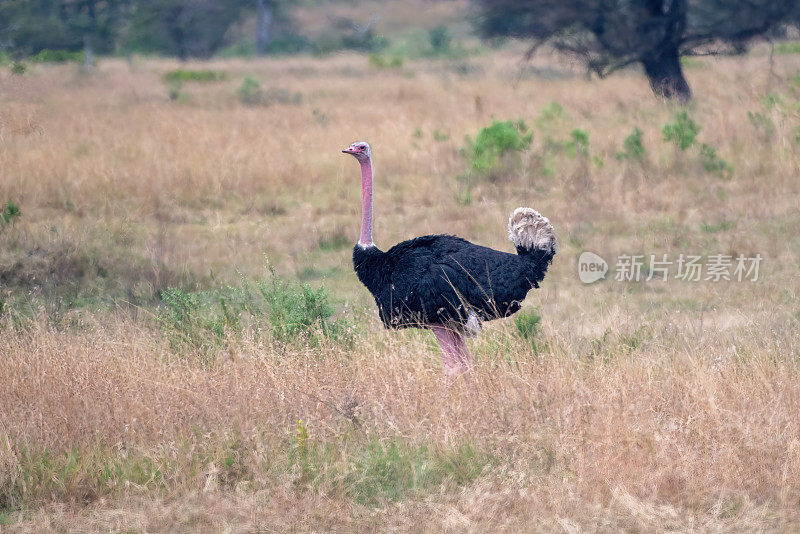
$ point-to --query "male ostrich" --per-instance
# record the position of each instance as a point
(446, 283)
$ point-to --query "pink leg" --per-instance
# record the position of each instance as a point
(455, 353)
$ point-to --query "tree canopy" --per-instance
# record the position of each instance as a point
(183, 28)
(610, 34)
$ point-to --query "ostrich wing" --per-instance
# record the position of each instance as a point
(440, 278)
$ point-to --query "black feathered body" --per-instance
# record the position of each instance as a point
(441, 278)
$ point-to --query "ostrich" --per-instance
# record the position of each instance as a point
(445, 283)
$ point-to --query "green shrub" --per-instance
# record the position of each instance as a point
(578, 143)
(175, 91)
(689, 62)
(552, 114)
(494, 141)
(710, 228)
(713, 163)
(385, 62)
(762, 123)
(632, 147)
(250, 91)
(440, 39)
(440, 136)
(463, 194)
(770, 101)
(57, 56)
(790, 47)
(527, 324)
(40, 475)
(368, 471)
(18, 68)
(175, 79)
(381, 472)
(183, 76)
(288, 43)
(200, 321)
(794, 83)
(190, 322)
(10, 212)
(682, 132)
(297, 312)
(251, 94)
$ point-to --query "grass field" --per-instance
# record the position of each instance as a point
(640, 406)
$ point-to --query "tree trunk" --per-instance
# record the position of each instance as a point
(88, 53)
(264, 16)
(666, 76)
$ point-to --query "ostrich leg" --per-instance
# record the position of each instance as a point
(455, 353)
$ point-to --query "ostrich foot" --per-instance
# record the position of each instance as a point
(456, 357)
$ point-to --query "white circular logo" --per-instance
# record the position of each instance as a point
(591, 267)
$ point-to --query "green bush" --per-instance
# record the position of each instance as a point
(18, 68)
(9, 213)
(250, 91)
(290, 43)
(722, 226)
(440, 136)
(282, 44)
(183, 75)
(550, 116)
(527, 324)
(441, 40)
(385, 62)
(370, 471)
(42, 475)
(789, 47)
(682, 132)
(200, 321)
(494, 141)
(57, 56)
(389, 472)
(713, 163)
(191, 323)
(632, 146)
(251, 94)
(296, 312)
(578, 143)
(175, 91)
(762, 123)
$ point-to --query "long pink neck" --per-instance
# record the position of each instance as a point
(366, 204)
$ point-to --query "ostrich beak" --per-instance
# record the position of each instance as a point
(348, 150)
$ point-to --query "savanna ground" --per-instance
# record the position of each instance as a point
(642, 406)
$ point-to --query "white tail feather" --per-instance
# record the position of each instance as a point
(529, 229)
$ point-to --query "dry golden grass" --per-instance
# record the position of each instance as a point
(643, 407)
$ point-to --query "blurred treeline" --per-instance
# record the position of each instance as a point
(183, 28)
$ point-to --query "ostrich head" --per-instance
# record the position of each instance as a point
(360, 150)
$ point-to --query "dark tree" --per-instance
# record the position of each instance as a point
(185, 28)
(610, 34)
(96, 22)
(30, 26)
(265, 14)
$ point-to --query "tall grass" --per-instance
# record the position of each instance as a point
(620, 406)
